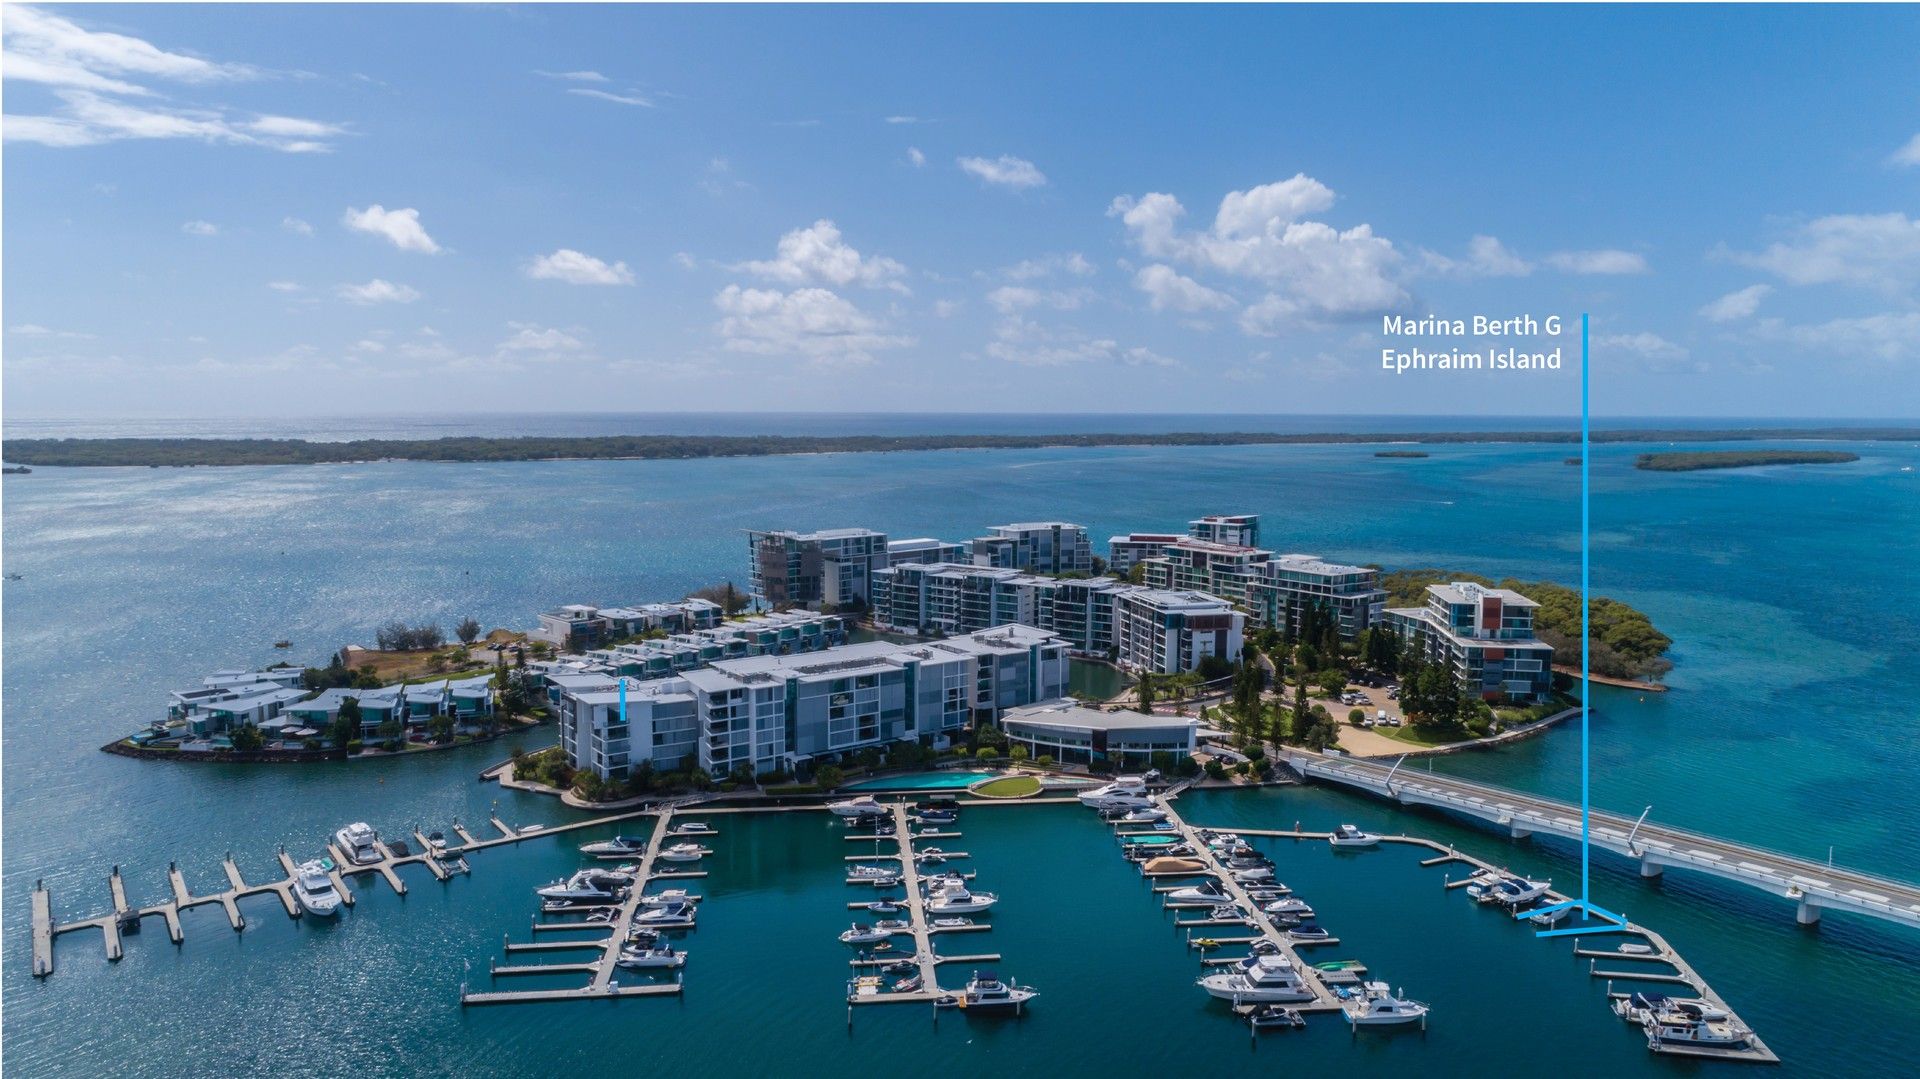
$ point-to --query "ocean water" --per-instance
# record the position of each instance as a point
(1789, 591)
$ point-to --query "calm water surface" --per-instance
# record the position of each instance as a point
(1790, 592)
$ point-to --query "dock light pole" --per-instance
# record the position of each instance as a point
(1597, 919)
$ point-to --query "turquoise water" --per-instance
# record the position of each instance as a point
(1790, 592)
(924, 781)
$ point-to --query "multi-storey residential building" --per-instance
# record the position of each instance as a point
(1036, 547)
(1072, 733)
(609, 725)
(949, 598)
(1080, 611)
(581, 625)
(833, 566)
(1167, 631)
(779, 633)
(1232, 529)
(1197, 565)
(1123, 552)
(1484, 636)
(925, 551)
(1290, 584)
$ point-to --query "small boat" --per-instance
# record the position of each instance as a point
(1293, 905)
(1207, 891)
(864, 934)
(891, 880)
(657, 956)
(1379, 1006)
(583, 886)
(1258, 979)
(1307, 931)
(1640, 1007)
(1268, 892)
(960, 901)
(314, 890)
(357, 843)
(684, 852)
(932, 856)
(1349, 836)
(985, 992)
(934, 816)
(1635, 949)
(692, 827)
(1173, 866)
(1550, 915)
(620, 845)
(950, 923)
(1144, 816)
(1227, 912)
(602, 914)
(907, 985)
(1512, 891)
(864, 806)
(283, 644)
(671, 915)
(573, 906)
(884, 906)
(867, 871)
(1274, 1017)
(667, 898)
(1253, 874)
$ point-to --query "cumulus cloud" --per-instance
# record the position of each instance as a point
(200, 228)
(1893, 336)
(284, 286)
(816, 255)
(1908, 154)
(1073, 262)
(915, 157)
(813, 323)
(529, 337)
(401, 228)
(1486, 257)
(294, 224)
(1009, 299)
(1650, 345)
(1736, 305)
(1604, 261)
(377, 291)
(1879, 251)
(1004, 171)
(92, 73)
(1168, 289)
(578, 268)
(1306, 269)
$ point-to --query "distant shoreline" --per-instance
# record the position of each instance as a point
(1698, 461)
(190, 452)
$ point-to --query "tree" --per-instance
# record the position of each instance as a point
(730, 600)
(247, 738)
(1332, 682)
(440, 727)
(700, 779)
(1357, 717)
(742, 775)
(390, 731)
(1145, 692)
(1301, 717)
(346, 723)
(468, 630)
(1018, 753)
(828, 777)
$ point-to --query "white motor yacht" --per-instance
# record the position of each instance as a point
(1145, 816)
(657, 956)
(620, 845)
(864, 934)
(684, 852)
(1207, 891)
(960, 901)
(1108, 798)
(869, 870)
(314, 890)
(1674, 1027)
(1514, 891)
(667, 898)
(984, 992)
(1379, 1006)
(692, 827)
(1348, 835)
(1292, 904)
(1258, 979)
(356, 843)
(1640, 1007)
(672, 914)
(864, 806)
(582, 886)
(1253, 874)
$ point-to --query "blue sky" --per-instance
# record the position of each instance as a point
(280, 210)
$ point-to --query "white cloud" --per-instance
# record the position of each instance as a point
(628, 98)
(1072, 262)
(32, 329)
(1486, 257)
(399, 227)
(1908, 154)
(1040, 354)
(1168, 289)
(915, 157)
(817, 254)
(1736, 305)
(1604, 261)
(285, 286)
(575, 76)
(1146, 357)
(1005, 171)
(87, 69)
(1649, 345)
(530, 337)
(578, 268)
(294, 224)
(377, 291)
(905, 120)
(1875, 250)
(814, 323)
(1009, 299)
(1310, 270)
(1894, 336)
(945, 308)
(200, 228)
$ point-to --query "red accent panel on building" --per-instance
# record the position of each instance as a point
(1490, 612)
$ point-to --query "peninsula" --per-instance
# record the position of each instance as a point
(156, 452)
(1700, 461)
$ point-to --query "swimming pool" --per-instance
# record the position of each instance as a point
(923, 781)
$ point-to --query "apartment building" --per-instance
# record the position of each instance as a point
(1232, 529)
(1168, 631)
(1198, 565)
(799, 569)
(1291, 584)
(580, 626)
(1123, 552)
(1035, 547)
(609, 725)
(924, 551)
(1484, 636)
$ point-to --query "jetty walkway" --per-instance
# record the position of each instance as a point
(1814, 886)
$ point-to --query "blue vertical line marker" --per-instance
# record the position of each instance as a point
(1595, 919)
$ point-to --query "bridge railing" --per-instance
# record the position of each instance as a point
(1800, 862)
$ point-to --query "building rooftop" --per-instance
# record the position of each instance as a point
(1069, 713)
(1469, 592)
(1167, 599)
(1031, 526)
(1313, 563)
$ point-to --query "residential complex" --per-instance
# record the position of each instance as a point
(1484, 636)
(1035, 547)
(1291, 584)
(1221, 569)
(577, 625)
(925, 551)
(1232, 529)
(832, 566)
(1072, 733)
(1162, 630)
(778, 712)
(1123, 552)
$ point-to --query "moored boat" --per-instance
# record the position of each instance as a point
(313, 889)
(358, 843)
(984, 992)
(1378, 1005)
(1349, 836)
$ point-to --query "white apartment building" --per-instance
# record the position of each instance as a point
(1035, 547)
(1290, 584)
(1167, 631)
(799, 569)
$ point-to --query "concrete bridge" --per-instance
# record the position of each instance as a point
(1813, 886)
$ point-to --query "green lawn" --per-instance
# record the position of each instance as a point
(1417, 736)
(1009, 787)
